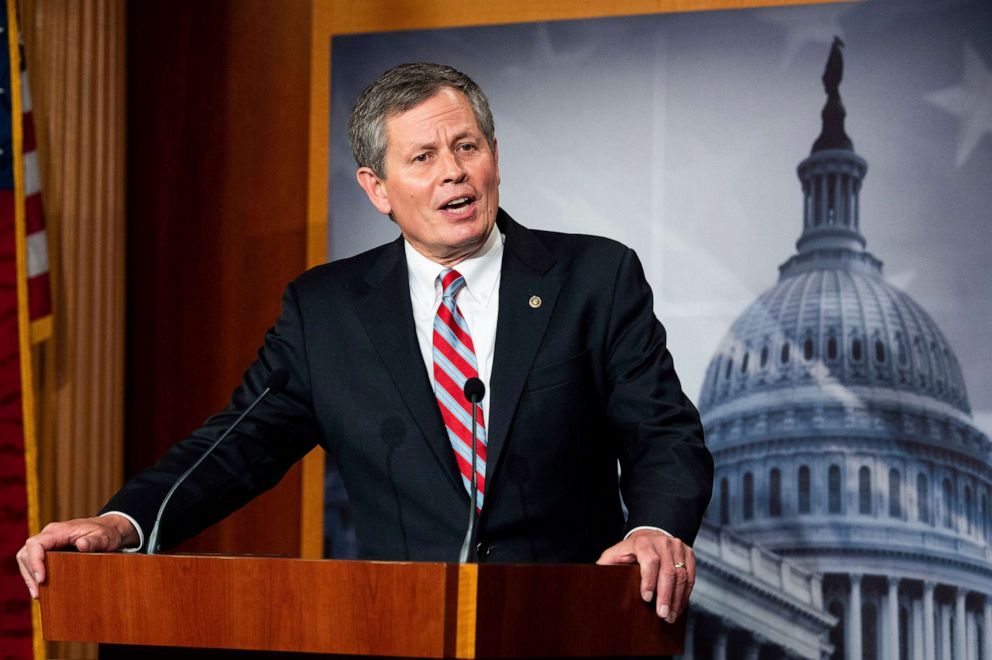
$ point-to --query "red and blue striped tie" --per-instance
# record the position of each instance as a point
(454, 363)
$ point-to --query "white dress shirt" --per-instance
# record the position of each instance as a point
(478, 301)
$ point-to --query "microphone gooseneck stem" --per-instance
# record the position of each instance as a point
(153, 537)
(466, 552)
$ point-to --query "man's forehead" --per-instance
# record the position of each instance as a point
(446, 103)
(447, 110)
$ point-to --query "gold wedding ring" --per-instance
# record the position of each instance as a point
(679, 564)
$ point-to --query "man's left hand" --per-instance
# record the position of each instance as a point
(668, 566)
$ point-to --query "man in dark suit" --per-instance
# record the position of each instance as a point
(583, 408)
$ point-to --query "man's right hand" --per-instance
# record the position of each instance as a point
(104, 534)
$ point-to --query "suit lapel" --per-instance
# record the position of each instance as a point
(520, 328)
(386, 313)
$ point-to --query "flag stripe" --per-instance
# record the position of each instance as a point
(34, 216)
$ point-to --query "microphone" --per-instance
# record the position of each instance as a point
(474, 392)
(274, 384)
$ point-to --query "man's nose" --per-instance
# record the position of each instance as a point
(452, 169)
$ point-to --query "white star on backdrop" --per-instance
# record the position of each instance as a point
(801, 28)
(970, 102)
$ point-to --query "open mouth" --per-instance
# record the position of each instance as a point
(459, 203)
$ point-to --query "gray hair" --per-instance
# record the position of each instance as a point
(398, 90)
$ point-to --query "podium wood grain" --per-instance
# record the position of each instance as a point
(350, 607)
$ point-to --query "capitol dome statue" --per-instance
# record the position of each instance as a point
(840, 425)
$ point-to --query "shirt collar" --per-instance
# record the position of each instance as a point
(481, 272)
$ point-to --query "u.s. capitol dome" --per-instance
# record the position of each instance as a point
(840, 425)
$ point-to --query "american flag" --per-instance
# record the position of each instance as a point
(25, 318)
(39, 285)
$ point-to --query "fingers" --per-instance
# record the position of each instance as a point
(30, 576)
(617, 554)
(668, 569)
(671, 577)
(690, 573)
(679, 583)
(650, 564)
(31, 557)
(86, 534)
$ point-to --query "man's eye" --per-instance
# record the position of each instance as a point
(420, 158)
(468, 146)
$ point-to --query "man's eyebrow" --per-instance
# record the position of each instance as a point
(421, 146)
(467, 133)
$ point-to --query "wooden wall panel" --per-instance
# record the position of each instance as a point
(75, 58)
(75, 55)
(217, 145)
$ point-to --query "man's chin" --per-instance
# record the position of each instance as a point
(459, 248)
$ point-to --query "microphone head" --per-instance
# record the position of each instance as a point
(474, 390)
(277, 380)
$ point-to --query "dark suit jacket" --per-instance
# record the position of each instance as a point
(578, 383)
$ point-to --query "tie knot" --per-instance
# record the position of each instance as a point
(451, 282)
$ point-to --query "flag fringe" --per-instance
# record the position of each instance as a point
(41, 329)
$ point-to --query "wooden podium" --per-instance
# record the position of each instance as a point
(420, 610)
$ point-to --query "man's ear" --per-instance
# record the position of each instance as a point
(375, 187)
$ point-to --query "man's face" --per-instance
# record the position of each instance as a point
(441, 182)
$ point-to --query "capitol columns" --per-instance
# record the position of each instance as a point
(929, 634)
(720, 648)
(986, 640)
(854, 643)
(753, 649)
(892, 619)
(690, 636)
(916, 628)
(960, 621)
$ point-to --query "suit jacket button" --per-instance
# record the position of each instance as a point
(483, 550)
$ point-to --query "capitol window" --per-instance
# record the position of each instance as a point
(856, 349)
(775, 493)
(832, 346)
(804, 488)
(922, 498)
(808, 349)
(784, 358)
(948, 518)
(748, 496)
(895, 494)
(984, 513)
(864, 490)
(764, 356)
(879, 351)
(833, 489)
(969, 508)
